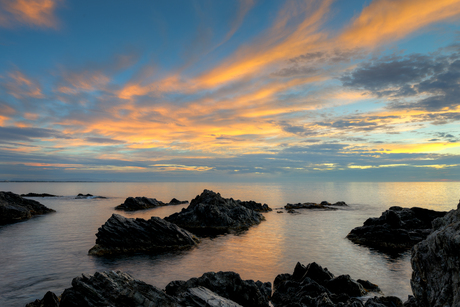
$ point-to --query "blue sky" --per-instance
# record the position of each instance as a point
(241, 90)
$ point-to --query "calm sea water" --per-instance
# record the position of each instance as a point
(47, 252)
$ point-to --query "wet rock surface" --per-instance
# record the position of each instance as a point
(229, 285)
(142, 203)
(210, 214)
(324, 205)
(313, 285)
(397, 229)
(14, 208)
(436, 264)
(121, 235)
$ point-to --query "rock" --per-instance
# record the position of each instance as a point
(87, 196)
(254, 206)
(116, 289)
(396, 230)
(384, 301)
(14, 208)
(49, 300)
(292, 211)
(279, 211)
(38, 195)
(120, 235)
(308, 206)
(203, 297)
(368, 286)
(228, 285)
(210, 214)
(411, 302)
(141, 203)
(436, 264)
(344, 284)
(175, 201)
(312, 285)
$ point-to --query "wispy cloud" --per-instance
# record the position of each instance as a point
(35, 13)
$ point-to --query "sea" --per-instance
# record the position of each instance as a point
(46, 252)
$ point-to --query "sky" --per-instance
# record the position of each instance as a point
(230, 90)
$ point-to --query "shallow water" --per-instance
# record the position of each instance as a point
(47, 252)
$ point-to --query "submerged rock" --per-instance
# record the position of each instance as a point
(436, 264)
(229, 285)
(324, 205)
(141, 203)
(211, 214)
(120, 235)
(312, 285)
(397, 229)
(14, 208)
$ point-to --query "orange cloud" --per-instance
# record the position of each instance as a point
(390, 20)
(31, 12)
(86, 81)
(20, 86)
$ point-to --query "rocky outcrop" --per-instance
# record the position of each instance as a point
(88, 196)
(14, 208)
(324, 205)
(39, 195)
(49, 300)
(211, 214)
(115, 289)
(118, 289)
(121, 235)
(436, 264)
(141, 203)
(397, 229)
(312, 285)
(229, 285)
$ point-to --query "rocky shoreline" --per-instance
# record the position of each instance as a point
(142, 203)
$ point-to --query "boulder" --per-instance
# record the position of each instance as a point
(396, 230)
(254, 206)
(141, 203)
(436, 264)
(121, 235)
(228, 285)
(384, 301)
(116, 289)
(14, 208)
(313, 285)
(210, 214)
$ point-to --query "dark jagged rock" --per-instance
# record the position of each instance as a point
(142, 203)
(203, 297)
(175, 201)
(254, 206)
(39, 195)
(229, 285)
(120, 235)
(14, 208)
(87, 196)
(368, 286)
(436, 264)
(411, 302)
(324, 205)
(384, 301)
(49, 300)
(312, 285)
(211, 214)
(116, 289)
(397, 229)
